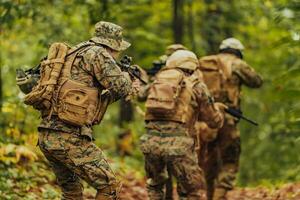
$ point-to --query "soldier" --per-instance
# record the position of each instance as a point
(158, 65)
(177, 98)
(67, 145)
(169, 51)
(224, 74)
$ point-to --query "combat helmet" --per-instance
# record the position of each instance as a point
(231, 43)
(183, 59)
(110, 35)
(174, 47)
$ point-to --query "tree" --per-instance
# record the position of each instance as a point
(217, 23)
(178, 20)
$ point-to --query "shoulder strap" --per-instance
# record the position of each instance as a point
(71, 56)
(79, 47)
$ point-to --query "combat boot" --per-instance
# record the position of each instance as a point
(220, 194)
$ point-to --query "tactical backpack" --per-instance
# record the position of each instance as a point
(57, 94)
(41, 95)
(170, 96)
(215, 74)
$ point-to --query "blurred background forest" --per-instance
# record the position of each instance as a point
(269, 29)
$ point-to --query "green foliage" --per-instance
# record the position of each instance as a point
(269, 30)
(21, 181)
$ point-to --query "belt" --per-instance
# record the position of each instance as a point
(163, 134)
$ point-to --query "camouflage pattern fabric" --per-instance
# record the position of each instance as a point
(74, 157)
(221, 161)
(110, 35)
(221, 157)
(172, 143)
(69, 149)
(96, 68)
(242, 74)
(178, 153)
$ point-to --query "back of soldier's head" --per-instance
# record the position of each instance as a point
(232, 46)
(183, 59)
(174, 47)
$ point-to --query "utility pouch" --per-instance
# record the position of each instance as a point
(77, 103)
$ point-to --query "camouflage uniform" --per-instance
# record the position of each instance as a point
(169, 143)
(70, 149)
(220, 157)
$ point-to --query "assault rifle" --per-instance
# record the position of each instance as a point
(238, 114)
(132, 70)
(157, 65)
(27, 79)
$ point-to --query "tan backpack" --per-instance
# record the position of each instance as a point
(170, 97)
(215, 75)
(41, 95)
(57, 94)
(164, 93)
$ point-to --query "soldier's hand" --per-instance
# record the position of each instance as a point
(220, 106)
(206, 134)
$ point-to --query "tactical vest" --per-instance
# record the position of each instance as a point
(171, 97)
(219, 78)
(57, 94)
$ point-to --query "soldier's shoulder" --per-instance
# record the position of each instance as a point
(239, 63)
(209, 62)
(96, 51)
(208, 57)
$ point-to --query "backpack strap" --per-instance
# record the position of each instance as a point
(71, 57)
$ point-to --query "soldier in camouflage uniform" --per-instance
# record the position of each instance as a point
(143, 92)
(169, 140)
(169, 51)
(70, 149)
(221, 156)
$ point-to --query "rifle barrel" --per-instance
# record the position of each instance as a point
(239, 115)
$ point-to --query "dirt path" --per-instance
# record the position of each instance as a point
(34, 181)
(135, 190)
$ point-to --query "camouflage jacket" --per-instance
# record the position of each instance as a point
(241, 74)
(96, 68)
(172, 138)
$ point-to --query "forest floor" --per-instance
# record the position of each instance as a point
(135, 190)
(32, 179)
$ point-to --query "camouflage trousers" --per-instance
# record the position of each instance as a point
(220, 162)
(73, 157)
(183, 166)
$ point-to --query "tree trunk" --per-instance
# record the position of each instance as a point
(105, 9)
(1, 92)
(178, 20)
(126, 112)
(213, 28)
(190, 24)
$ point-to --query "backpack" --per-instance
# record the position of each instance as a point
(164, 93)
(170, 97)
(215, 75)
(57, 94)
(41, 95)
